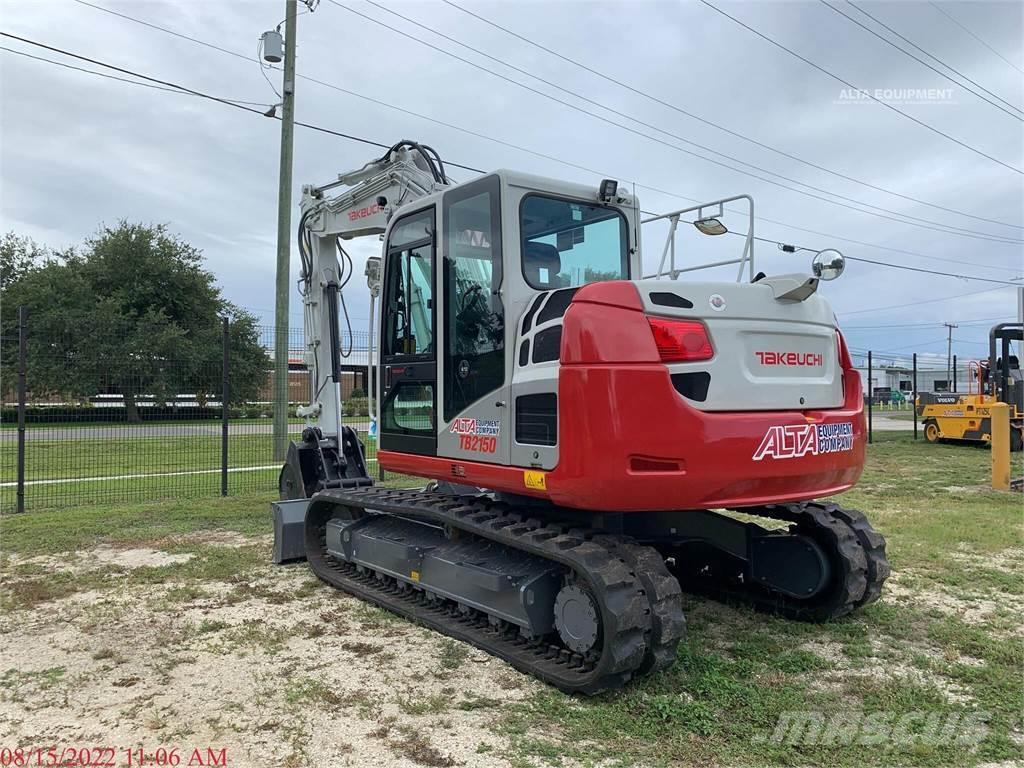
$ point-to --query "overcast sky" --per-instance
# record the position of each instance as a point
(77, 150)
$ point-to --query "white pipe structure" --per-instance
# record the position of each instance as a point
(669, 251)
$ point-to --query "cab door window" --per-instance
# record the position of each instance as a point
(474, 318)
(409, 395)
(409, 293)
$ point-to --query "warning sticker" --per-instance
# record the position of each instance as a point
(535, 480)
(796, 440)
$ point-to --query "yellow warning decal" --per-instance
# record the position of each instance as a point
(535, 480)
(414, 575)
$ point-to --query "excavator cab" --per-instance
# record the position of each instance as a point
(458, 265)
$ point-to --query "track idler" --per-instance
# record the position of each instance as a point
(828, 563)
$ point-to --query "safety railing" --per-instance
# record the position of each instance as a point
(709, 224)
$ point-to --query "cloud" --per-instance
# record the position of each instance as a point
(79, 150)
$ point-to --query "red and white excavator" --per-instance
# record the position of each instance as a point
(586, 430)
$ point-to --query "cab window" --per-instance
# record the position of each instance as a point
(568, 243)
(474, 318)
(409, 292)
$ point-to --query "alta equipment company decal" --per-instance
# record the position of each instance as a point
(796, 440)
(477, 434)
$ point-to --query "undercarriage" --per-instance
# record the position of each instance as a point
(585, 604)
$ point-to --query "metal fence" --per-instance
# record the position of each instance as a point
(88, 423)
(893, 381)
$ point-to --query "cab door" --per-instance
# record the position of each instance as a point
(408, 357)
(475, 411)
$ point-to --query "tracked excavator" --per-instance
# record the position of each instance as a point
(587, 434)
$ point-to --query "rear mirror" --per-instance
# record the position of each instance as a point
(828, 264)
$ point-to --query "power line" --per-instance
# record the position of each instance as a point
(973, 342)
(167, 84)
(203, 43)
(918, 303)
(848, 84)
(705, 121)
(885, 263)
(567, 163)
(933, 57)
(916, 344)
(969, 32)
(915, 58)
(385, 146)
(934, 324)
(115, 77)
(934, 272)
(879, 247)
(907, 218)
(200, 94)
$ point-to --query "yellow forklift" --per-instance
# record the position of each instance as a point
(967, 417)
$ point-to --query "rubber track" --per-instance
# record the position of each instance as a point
(665, 596)
(873, 544)
(625, 611)
(859, 553)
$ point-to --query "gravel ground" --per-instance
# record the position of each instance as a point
(272, 666)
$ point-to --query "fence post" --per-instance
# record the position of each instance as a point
(871, 398)
(914, 403)
(22, 374)
(225, 392)
(954, 374)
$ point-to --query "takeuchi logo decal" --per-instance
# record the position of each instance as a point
(795, 440)
(808, 359)
(365, 212)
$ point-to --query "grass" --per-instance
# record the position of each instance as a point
(949, 649)
(189, 461)
(738, 671)
(83, 527)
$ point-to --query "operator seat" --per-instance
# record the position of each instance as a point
(541, 265)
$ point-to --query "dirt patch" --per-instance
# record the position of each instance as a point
(976, 610)
(230, 539)
(138, 557)
(1009, 561)
(828, 650)
(275, 667)
(883, 665)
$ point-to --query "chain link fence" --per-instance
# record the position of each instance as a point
(86, 423)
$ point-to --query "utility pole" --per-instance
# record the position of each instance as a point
(949, 356)
(284, 235)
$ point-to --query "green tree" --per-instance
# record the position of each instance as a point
(18, 256)
(133, 313)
